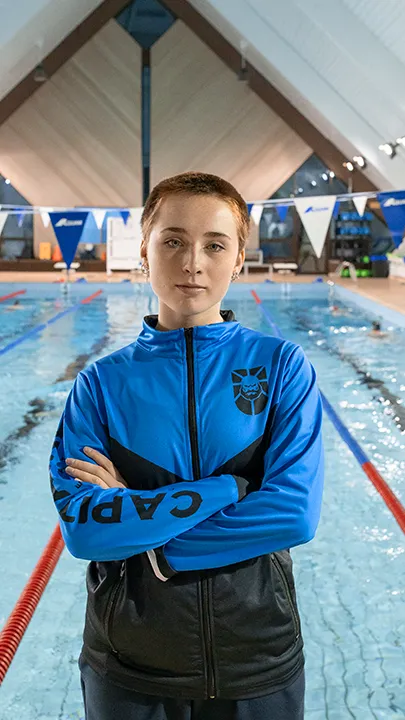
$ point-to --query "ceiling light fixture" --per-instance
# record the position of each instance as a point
(360, 161)
(40, 75)
(389, 149)
(243, 71)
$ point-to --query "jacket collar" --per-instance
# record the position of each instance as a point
(171, 342)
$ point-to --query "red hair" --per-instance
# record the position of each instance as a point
(196, 183)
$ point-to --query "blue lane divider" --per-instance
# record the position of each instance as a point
(388, 495)
(39, 328)
(345, 434)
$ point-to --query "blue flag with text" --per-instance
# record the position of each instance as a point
(68, 228)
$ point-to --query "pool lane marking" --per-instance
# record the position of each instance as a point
(89, 298)
(31, 333)
(12, 295)
(392, 502)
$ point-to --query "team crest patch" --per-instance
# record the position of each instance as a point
(250, 390)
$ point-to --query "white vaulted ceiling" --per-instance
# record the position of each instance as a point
(31, 29)
(340, 62)
(385, 19)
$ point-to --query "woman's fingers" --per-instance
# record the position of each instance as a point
(86, 477)
(105, 463)
(87, 467)
(81, 468)
(100, 459)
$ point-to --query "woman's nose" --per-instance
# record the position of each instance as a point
(192, 261)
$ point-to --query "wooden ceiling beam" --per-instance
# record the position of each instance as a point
(61, 54)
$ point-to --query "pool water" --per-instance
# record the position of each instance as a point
(349, 578)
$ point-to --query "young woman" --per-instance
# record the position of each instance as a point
(184, 468)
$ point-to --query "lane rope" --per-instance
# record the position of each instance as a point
(391, 500)
(39, 328)
(12, 295)
(17, 623)
(20, 617)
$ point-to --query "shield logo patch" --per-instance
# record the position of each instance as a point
(250, 389)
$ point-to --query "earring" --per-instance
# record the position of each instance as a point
(234, 276)
(145, 269)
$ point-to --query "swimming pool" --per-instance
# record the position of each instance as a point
(349, 579)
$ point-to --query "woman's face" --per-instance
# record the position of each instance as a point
(192, 252)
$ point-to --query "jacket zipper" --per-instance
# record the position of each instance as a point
(111, 607)
(284, 580)
(205, 584)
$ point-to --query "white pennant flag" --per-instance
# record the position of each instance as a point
(256, 213)
(315, 213)
(99, 216)
(3, 218)
(254, 235)
(45, 218)
(360, 203)
(136, 214)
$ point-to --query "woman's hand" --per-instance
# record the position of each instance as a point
(103, 473)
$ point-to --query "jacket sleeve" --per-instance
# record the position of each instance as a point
(113, 524)
(285, 511)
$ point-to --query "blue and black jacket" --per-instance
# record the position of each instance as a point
(217, 433)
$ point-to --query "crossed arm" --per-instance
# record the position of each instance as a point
(220, 531)
(102, 519)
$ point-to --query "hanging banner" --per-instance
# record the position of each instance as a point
(99, 216)
(68, 228)
(21, 216)
(45, 218)
(3, 218)
(282, 212)
(393, 207)
(136, 214)
(360, 203)
(124, 242)
(256, 213)
(315, 214)
(336, 210)
(125, 215)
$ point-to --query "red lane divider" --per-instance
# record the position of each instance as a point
(389, 497)
(392, 502)
(91, 297)
(16, 625)
(11, 295)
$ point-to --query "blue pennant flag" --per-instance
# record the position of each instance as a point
(282, 212)
(125, 215)
(393, 207)
(68, 228)
(336, 210)
(249, 207)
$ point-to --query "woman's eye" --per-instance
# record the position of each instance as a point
(173, 242)
(216, 247)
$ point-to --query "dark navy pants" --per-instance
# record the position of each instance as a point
(105, 701)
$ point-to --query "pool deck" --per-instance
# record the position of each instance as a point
(386, 291)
